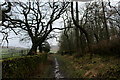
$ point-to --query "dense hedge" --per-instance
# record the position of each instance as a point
(21, 67)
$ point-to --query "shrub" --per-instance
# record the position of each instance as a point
(21, 67)
(106, 47)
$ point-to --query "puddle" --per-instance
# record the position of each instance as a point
(57, 71)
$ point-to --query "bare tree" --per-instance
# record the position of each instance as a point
(36, 18)
(3, 15)
(105, 21)
(80, 28)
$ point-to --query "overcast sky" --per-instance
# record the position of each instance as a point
(16, 43)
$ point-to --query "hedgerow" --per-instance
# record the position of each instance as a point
(21, 67)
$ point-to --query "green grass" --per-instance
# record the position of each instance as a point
(9, 53)
(4, 56)
(52, 52)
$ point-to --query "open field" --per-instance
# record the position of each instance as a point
(12, 52)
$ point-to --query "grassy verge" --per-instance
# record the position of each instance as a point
(98, 67)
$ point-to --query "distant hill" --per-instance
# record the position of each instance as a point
(54, 48)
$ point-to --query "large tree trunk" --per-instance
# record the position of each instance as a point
(81, 29)
(33, 50)
(105, 22)
(78, 45)
(76, 31)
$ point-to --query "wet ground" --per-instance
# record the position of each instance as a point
(51, 70)
(56, 68)
(57, 72)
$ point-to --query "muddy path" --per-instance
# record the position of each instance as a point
(57, 68)
(57, 71)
